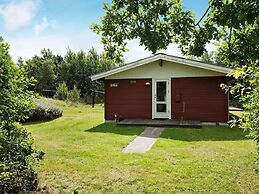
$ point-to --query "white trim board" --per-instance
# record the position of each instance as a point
(170, 58)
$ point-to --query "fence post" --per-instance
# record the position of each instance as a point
(93, 94)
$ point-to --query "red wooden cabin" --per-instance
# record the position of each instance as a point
(166, 87)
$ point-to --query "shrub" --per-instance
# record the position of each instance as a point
(44, 111)
(18, 159)
(64, 94)
(74, 95)
(62, 91)
(18, 156)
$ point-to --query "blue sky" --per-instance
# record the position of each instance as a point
(31, 25)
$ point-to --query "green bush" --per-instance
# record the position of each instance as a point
(62, 91)
(74, 95)
(44, 111)
(18, 159)
(18, 155)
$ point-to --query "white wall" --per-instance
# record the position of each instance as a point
(167, 70)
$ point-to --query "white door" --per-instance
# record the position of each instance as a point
(161, 99)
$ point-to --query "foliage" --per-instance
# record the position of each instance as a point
(62, 91)
(74, 95)
(238, 23)
(209, 57)
(155, 23)
(18, 156)
(233, 24)
(44, 68)
(44, 111)
(77, 68)
(51, 71)
(249, 94)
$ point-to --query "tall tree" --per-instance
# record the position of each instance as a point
(157, 23)
(45, 69)
(18, 155)
(77, 68)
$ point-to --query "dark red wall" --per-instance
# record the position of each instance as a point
(131, 99)
(204, 99)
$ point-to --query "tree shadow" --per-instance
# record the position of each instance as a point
(206, 133)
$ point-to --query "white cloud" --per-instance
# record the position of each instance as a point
(44, 24)
(17, 14)
(27, 46)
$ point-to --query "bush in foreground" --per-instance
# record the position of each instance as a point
(18, 156)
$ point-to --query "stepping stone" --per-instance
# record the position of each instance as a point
(144, 141)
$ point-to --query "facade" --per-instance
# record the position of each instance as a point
(166, 87)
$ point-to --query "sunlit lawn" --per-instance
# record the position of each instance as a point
(83, 153)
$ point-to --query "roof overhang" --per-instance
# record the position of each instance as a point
(170, 58)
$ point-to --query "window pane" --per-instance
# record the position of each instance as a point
(161, 108)
(161, 91)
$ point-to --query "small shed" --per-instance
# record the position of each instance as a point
(166, 87)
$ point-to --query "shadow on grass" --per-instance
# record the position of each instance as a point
(206, 133)
(39, 121)
(113, 128)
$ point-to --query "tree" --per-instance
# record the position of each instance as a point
(18, 155)
(74, 69)
(74, 95)
(77, 68)
(62, 91)
(45, 69)
(157, 23)
(238, 31)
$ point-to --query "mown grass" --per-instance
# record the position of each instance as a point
(83, 153)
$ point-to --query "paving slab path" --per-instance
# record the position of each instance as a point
(144, 141)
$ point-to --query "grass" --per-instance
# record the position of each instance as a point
(83, 153)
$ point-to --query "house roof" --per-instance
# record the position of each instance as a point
(165, 57)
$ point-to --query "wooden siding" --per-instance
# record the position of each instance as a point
(132, 98)
(199, 99)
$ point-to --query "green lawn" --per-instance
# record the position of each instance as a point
(83, 153)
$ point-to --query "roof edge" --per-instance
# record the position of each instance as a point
(161, 56)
